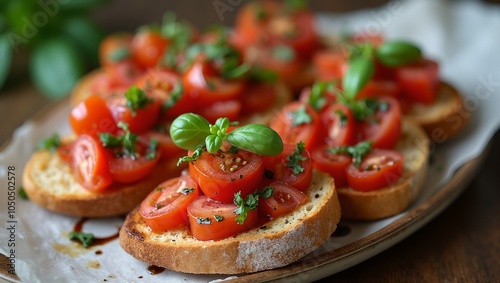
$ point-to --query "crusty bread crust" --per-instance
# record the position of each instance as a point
(389, 201)
(50, 183)
(272, 245)
(443, 119)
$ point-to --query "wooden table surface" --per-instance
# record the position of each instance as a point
(462, 244)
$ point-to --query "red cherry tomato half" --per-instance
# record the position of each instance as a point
(123, 73)
(379, 88)
(285, 198)
(285, 173)
(419, 81)
(203, 84)
(223, 174)
(115, 48)
(384, 128)
(230, 109)
(333, 164)
(90, 165)
(92, 117)
(160, 84)
(166, 146)
(331, 64)
(148, 47)
(297, 122)
(213, 220)
(138, 121)
(340, 126)
(378, 169)
(258, 97)
(166, 206)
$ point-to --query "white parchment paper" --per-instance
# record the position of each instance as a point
(463, 36)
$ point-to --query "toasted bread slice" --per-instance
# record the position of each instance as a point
(272, 245)
(50, 183)
(391, 200)
(445, 117)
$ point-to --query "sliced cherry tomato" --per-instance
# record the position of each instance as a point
(296, 122)
(419, 81)
(166, 146)
(148, 47)
(64, 152)
(123, 73)
(331, 64)
(92, 117)
(283, 171)
(223, 174)
(115, 48)
(258, 97)
(340, 125)
(230, 109)
(160, 84)
(285, 199)
(378, 169)
(129, 169)
(213, 220)
(90, 165)
(203, 84)
(384, 128)
(333, 164)
(166, 206)
(138, 120)
(379, 88)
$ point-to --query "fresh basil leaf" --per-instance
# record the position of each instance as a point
(55, 67)
(359, 72)
(189, 130)
(256, 138)
(6, 58)
(398, 53)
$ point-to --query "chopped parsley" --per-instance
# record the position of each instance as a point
(119, 54)
(250, 203)
(300, 116)
(136, 99)
(295, 159)
(342, 117)
(262, 75)
(204, 221)
(196, 154)
(85, 239)
(283, 53)
(51, 143)
(317, 96)
(363, 108)
(22, 193)
(151, 152)
(356, 151)
(218, 218)
(187, 191)
(175, 95)
(127, 140)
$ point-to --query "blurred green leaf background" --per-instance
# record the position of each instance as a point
(55, 41)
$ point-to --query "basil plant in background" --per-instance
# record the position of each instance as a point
(57, 37)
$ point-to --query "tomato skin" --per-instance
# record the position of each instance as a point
(123, 73)
(159, 84)
(330, 64)
(92, 117)
(283, 124)
(219, 182)
(340, 125)
(166, 206)
(384, 129)
(119, 42)
(140, 122)
(126, 169)
(419, 81)
(333, 164)
(89, 164)
(258, 97)
(148, 47)
(387, 167)
(379, 88)
(230, 109)
(285, 199)
(205, 86)
(166, 147)
(277, 165)
(206, 208)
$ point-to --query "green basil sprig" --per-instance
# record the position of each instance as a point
(360, 71)
(397, 53)
(191, 131)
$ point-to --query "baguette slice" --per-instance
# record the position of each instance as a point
(50, 183)
(391, 200)
(443, 119)
(275, 244)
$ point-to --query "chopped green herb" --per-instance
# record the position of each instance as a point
(250, 203)
(295, 5)
(342, 117)
(283, 53)
(317, 97)
(196, 154)
(186, 191)
(85, 239)
(259, 12)
(119, 54)
(363, 108)
(300, 116)
(357, 151)
(204, 221)
(51, 143)
(151, 152)
(267, 192)
(136, 99)
(23, 194)
(159, 189)
(262, 75)
(233, 149)
(127, 140)
(218, 218)
(175, 95)
(295, 159)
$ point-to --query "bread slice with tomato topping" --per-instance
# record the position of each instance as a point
(413, 144)
(274, 244)
(49, 181)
